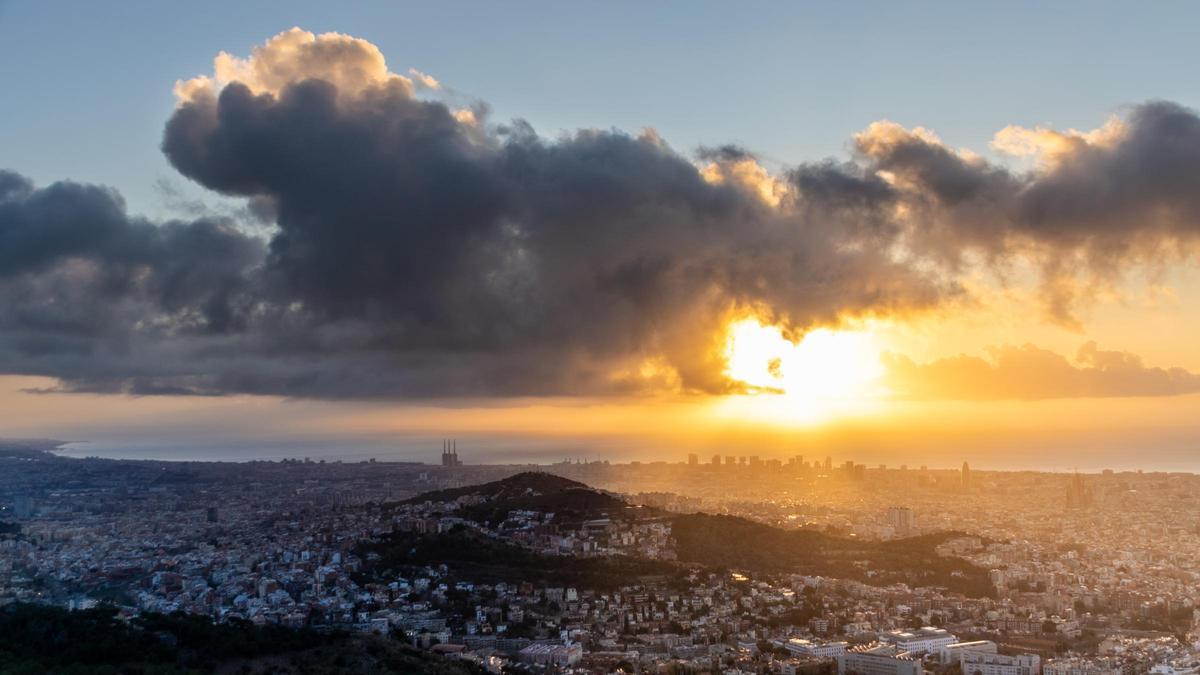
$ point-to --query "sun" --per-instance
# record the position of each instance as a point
(826, 372)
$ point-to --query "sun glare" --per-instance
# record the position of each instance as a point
(825, 373)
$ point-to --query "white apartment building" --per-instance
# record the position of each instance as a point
(920, 641)
(819, 649)
(983, 663)
(878, 659)
(951, 653)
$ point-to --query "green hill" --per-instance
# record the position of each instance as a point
(712, 541)
(570, 501)
(521, 484)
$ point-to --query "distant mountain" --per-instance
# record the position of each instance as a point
(28, 448)
(741, 544)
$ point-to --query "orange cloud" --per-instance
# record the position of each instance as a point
(1031, 373)
(351, 64)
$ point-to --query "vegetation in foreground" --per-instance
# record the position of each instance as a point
(38, 639)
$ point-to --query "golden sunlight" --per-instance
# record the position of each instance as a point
(827, 373)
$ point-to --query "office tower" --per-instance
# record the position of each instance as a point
(1079, 495)
(966, 476)
(901, 518)
(23, 506)
(693, 459)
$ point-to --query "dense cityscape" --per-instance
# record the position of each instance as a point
(730, 565)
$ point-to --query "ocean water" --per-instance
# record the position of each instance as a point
(1050, 455)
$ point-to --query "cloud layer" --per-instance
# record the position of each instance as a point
(422, 250)
(1031, 373)
(1097, 202)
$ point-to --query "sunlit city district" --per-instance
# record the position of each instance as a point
(601, 566)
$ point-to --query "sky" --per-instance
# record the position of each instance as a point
(911, 233)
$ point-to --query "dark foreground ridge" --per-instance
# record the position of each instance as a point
(43, 639)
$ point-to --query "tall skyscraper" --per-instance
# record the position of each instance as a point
(1079, 495)
(966, 476)
(23, 506)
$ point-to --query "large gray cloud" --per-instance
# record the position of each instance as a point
(418, 253)
(1128, 193)
(86, 290)
(485, 259)
(422, 250)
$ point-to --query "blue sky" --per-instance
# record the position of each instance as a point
(88, 85)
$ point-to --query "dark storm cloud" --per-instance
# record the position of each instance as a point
(1125, 194)
(419, 250)
(84, 288)
(1031, 373)
(502, 262)
(1147, 182)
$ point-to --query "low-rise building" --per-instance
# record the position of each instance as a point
(920, 641)
(982, 663)
(817, 648)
